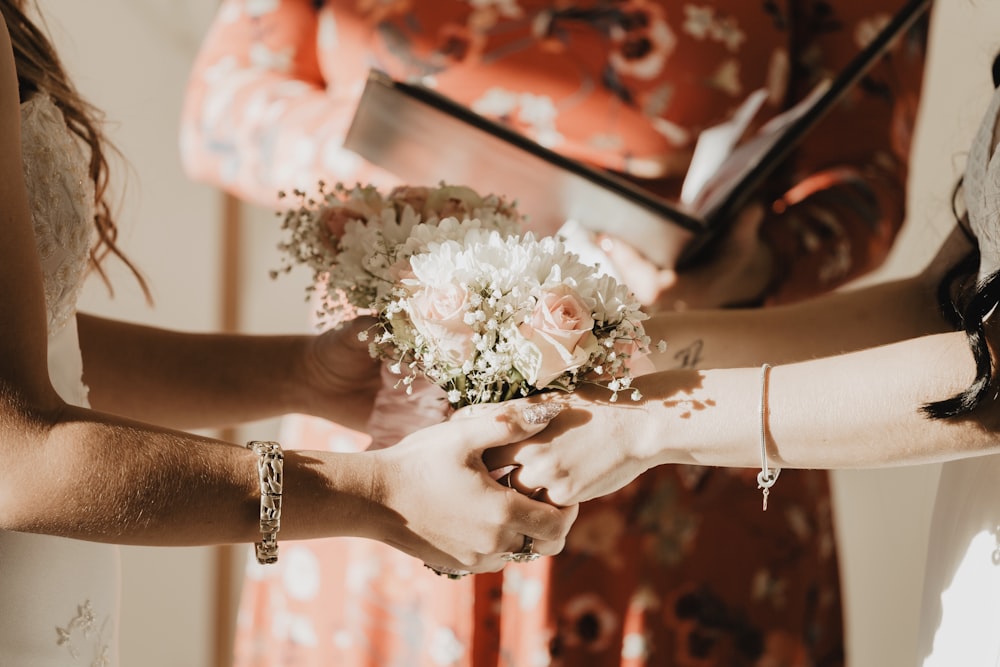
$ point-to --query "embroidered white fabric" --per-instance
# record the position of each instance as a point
(59, 606)
(961, 601)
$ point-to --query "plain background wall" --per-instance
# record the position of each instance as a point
(131, 57)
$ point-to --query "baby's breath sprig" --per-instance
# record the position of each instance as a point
(461, 297)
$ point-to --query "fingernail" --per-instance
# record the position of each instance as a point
(541, 413)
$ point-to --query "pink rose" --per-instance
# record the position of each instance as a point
(360, 205)
(561, 334)
(336, 218)
(410, 195)
(438, 313)
(455, 201)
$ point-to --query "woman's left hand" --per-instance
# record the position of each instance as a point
(341, 376)
(585, 452)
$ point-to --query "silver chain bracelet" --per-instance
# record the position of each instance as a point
(766, 477)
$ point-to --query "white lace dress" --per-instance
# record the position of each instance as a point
(960, 617)
(58, 597)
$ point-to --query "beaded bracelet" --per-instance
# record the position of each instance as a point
(766, 477)
(269, 468)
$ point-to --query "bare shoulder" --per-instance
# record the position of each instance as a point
(9, 97)
(22, 297)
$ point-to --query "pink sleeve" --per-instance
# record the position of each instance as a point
(258, 115)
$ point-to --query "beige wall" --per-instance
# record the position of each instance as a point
(131, 58)
(883, 516)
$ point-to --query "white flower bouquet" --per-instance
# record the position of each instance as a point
(461, 297)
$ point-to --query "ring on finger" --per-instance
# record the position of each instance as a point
(525, 555)
(449, 572)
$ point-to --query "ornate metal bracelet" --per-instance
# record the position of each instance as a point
(270, 463)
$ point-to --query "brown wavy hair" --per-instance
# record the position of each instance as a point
(40, 69)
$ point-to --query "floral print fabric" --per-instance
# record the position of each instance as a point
(681, 567)
(626, 85)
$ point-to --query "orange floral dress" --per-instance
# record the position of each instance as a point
(681, 567)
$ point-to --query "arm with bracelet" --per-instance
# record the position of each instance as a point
(116, 468)
(844, 388)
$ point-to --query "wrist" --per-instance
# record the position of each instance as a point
(699, 417)
(337, 377)
(310, 384)
(382, 497)
(342, 494)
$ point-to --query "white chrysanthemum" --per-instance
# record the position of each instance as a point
(378, 233)
(462, 298)
(510, 275)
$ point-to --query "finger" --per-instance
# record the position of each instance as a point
(643, 277)
(548, 530)
(512, 480)
(500, 474)
(479, 411)
(528, 543)
(620, 251)
(548, 547)
(509, 476)
(501, 460)
(539, 519)
(528, 414)
(493, 425)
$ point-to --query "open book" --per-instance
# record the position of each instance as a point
(423, 138)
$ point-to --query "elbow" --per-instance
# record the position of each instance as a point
(26, 422)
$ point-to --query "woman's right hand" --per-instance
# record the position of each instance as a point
(444, 507)
(737, 270)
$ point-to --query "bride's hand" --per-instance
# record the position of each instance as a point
(342, 378)
(446, 508)
(584, 453)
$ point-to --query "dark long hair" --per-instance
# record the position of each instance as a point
(967, 311)
(39, 68)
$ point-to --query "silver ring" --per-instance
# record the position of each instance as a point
(449, 572)
(525, 555)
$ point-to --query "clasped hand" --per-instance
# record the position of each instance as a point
(585, 452)
(455, 514)
(436, 499)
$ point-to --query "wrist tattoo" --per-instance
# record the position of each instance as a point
(690, 356)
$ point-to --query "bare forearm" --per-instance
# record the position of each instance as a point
(853, 411)
(841, 322)
(92, 476)
(859, 410)
(187, 380)
(77, 473)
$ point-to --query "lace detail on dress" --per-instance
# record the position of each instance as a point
(82, 632)
(61, 196)
(62, 204)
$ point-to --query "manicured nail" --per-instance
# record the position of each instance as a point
(541, 413)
